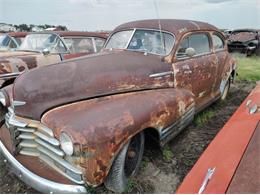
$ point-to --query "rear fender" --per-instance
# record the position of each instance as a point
(228, 73)
(103, 125)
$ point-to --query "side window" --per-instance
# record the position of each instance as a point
(218, 43)
(198, 41)
(181, 53)
(80, 45)
(99, 43)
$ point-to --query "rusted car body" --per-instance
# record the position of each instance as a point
(44, 48)
(244, 41)
(11, 41)
(104, 104)
(231, 162)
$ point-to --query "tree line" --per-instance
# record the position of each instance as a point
(28, 28)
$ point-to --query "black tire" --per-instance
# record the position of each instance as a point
(225, 91)
(126, 164)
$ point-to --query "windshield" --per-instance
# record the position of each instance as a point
(150, 41)
(39, 42)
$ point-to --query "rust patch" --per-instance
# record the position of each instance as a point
(30, 61)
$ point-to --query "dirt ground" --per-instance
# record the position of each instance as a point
(158, 173)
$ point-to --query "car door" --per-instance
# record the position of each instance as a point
(195, 72)
(221, 55)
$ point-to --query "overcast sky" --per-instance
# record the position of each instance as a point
(107, 14)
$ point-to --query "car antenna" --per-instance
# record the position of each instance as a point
(159, 23)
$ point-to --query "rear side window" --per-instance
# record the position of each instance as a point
(199, 42)
(80, 45)
(218, 42)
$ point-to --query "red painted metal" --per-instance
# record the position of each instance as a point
(225, 151)
(247, 177)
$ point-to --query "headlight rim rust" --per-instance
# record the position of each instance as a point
(65, 138)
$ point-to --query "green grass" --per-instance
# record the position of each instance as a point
(203, 117)
(248, 68)
(130, 186)
(144, 163)
(167, 153)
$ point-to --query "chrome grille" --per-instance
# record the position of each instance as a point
(34, 139)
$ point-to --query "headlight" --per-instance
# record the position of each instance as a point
(66, 143)
(2, 98)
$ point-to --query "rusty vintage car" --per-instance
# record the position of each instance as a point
(11, 41)
(83, 122)
(44, 48)
(245, 41)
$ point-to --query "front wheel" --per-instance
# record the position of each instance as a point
(126, 164)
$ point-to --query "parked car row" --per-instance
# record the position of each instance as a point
(83, 122)
(44, 48)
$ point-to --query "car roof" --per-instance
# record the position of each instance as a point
(174, 26)
(17, 34)
(75, 33)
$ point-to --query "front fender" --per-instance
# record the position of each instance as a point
(103, 125)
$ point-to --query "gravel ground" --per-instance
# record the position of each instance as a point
(159, 173)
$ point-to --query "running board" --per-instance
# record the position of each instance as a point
(170, 132)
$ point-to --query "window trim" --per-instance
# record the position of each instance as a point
(198, 55)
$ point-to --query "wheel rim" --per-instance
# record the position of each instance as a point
(133, 155)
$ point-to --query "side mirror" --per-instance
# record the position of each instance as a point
(46, 51)
(190, 51)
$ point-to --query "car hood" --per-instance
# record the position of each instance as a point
(242, 37)
(17, 61)
(94, 76)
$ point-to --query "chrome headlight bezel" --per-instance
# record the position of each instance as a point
(66, 144)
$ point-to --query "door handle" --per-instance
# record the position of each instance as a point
(161, 74)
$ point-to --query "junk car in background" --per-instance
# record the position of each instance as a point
(11, 41)
(83, 122)
(245, 41)
(44, 48)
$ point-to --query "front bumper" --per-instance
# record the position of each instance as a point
(240, 47)
(36, 182)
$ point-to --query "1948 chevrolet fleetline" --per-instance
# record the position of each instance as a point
(83, 122)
